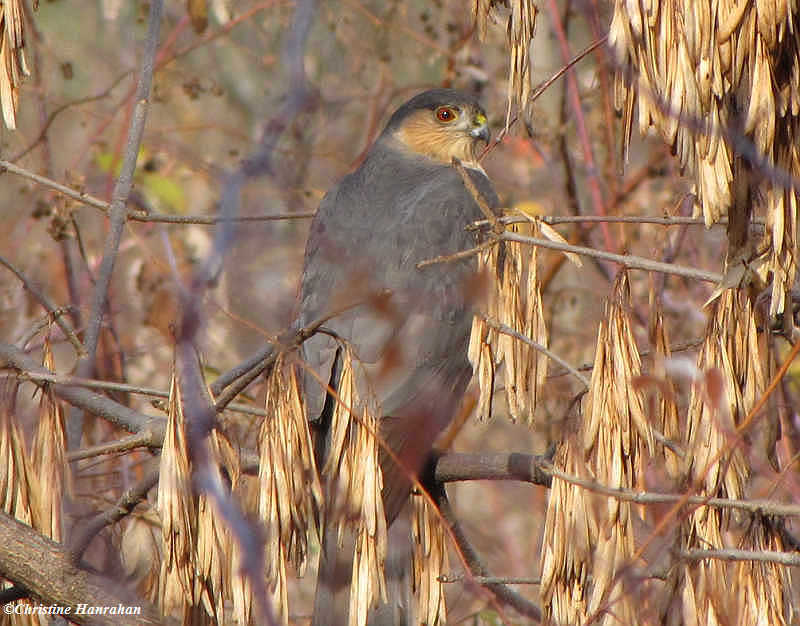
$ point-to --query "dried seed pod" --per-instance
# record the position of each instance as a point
(290, 495)
(514, 303)
(49, 457)
(592, 536)
(178, 511)
(13, 68)
(429, 542)
(705, 74)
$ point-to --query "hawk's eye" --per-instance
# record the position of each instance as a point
(446, 114)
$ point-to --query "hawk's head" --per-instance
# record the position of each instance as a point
(440, 124)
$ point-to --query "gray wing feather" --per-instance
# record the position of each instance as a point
(368, 235)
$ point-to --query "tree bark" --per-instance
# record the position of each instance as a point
(43, 567)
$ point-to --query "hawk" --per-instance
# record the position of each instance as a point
(409, 327)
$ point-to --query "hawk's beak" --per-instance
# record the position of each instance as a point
(480, 128)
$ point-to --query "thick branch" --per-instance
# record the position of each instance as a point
(529, 468)
(43, 567)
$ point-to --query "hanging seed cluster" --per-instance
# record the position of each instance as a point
(197, 549)
(514, 302)
(720, 81)
(429, 554)
(668, 419)
(32, 485)
(732, 381)
(297, 498)
(761, 597)
(13, 68)
(568, 543)
(16, 477)
(49, 458)
(290, 495)
(614, 437)
(520, 25)
(354, 480)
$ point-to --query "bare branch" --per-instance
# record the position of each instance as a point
(48, 305)
(489, 580)
(141, 216)
(473, 562)
(211, 220)
(118, 214)
(92, 383)
(45, 569)
(476, 195)
(84, 534)
(531, 468)
(544, 86)
(84, 198)
(554, 220)
(791, 559)
(507, 330)
(86, 400)
(131, 442)
(626, 260)
(759, 507)
(464, 254)
(58, 110)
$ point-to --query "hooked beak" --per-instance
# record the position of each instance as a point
(480, 128)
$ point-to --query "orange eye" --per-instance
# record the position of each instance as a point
(446, 114)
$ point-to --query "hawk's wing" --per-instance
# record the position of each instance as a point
(366, 240)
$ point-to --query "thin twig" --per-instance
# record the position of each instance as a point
(759, 507)
(117, 215)
(51, 308)
(226, 397)
(763, 556)
(211, 220)
(80, 196)
(84, 399)
(581, 130)
(140, 216)
(544, 86)
(240, 370)
(464, 254)
(626, 260)
(236, 380)
(553, 220)
(507, 330)
(477, 196)
(131, 442)
(91, 383)
(85, 533)
(473, 561)
(58, 110)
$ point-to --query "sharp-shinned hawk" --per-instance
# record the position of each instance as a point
(404, 204)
